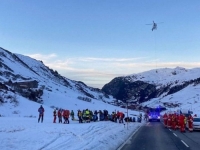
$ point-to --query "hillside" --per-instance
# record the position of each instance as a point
(167, 86)
(23, 78)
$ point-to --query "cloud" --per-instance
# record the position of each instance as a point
(94, 59)
(43, 57)
(99, 71)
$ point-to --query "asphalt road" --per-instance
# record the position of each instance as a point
(154, 136)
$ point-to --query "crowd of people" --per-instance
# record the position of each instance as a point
(178, 121)
(87, 116)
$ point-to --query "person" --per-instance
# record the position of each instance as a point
(190, 123)
(121, 117)
(80, 116)
(146, 116)
(60, 116)
(87, 115)
(41, 113)
(72, 114)
(173, 122)
(165, 118)
(54, 114)
(66, 114)
(182, 122)
(95, 118)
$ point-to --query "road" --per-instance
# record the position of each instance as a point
(154, 136)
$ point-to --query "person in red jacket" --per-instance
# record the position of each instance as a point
(60, 116)
(190, 123)
(174, 118)
(169, 121)
(66, 114)
(182, 122)
(121, 117)
(41, 114)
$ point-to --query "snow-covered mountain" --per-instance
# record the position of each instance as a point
(22, 77)
(164, 87)
(26, 83)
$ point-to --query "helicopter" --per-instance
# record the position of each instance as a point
(154, 25)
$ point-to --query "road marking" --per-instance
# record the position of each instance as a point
(184, 143)
(175, 134)
(170, 130)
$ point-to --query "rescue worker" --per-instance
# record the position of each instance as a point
(190, 123)
(182, 122)
(54, 114)
(165, 117)
(87, 115)
(177, 122)
(173, 121)
(66, 116)
(121, 117)
(72, 114)
(169, 121)
(60, 115)
(80, 116)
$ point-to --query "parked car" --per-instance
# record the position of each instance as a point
(196, 123)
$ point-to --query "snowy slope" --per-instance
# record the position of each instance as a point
(166, 76)
(19, 127)
(59, 91)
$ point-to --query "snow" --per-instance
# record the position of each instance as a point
(166, 76)
(188, 99)
(19, 129)
(26, 133)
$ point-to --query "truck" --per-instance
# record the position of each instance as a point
(154, 114)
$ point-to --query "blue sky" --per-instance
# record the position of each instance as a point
(96, 40)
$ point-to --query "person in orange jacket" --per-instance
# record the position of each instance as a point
(174, 120)
(66, 114)
(121, 117)
(182, 122)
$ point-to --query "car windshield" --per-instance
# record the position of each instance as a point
(154, 111)
(196, 119)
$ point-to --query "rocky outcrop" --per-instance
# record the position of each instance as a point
(124, 90)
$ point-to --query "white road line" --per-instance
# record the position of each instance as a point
(184, 143)
(170, 130)
(175, 134)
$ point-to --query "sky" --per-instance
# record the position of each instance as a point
(95, 41)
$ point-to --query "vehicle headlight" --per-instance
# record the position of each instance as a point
(158, 117)
(149, 116)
